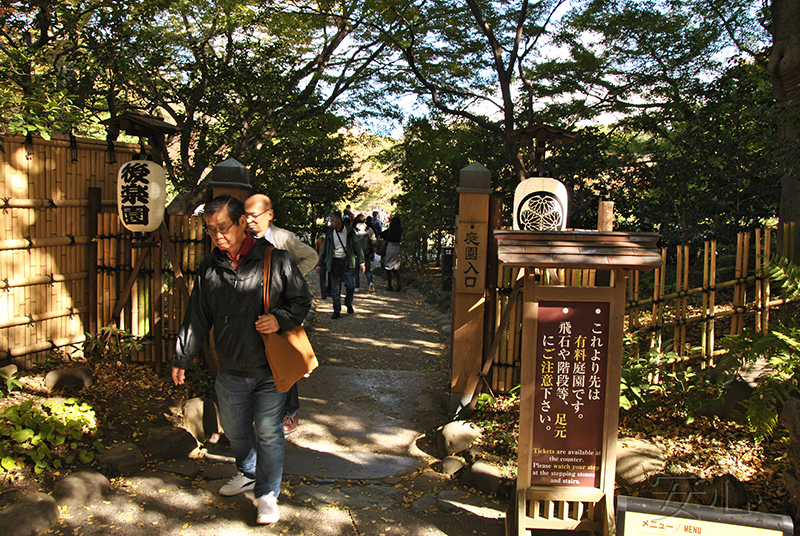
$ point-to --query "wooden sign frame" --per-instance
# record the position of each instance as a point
(568, 507)
(648, 517)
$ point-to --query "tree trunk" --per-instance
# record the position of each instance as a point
(784, 71)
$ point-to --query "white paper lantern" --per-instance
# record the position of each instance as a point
(141, 195)
(540, 204)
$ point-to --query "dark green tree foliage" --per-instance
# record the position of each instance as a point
(632, 56)
(306, 172)
(427, 165)
(232, 74)
(692, 173)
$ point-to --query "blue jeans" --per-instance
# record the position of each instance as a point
(340, 273)
(368, 271)
(251, 413)
(292, 402)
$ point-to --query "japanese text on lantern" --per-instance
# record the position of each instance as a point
(569, 392)
(471, 240)
(134, 193)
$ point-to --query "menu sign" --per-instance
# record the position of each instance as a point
(569, 393)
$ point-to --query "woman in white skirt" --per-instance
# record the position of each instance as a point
(391, 260)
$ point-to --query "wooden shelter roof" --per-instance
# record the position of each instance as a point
(553, 135)
(579, 249)
(136, 123)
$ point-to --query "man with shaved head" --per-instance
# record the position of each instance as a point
(259, 214)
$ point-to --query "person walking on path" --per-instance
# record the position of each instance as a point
(376, 221)
(259, 215)
(391, 261)
(340, 253)
(368, 240)
(228, 296)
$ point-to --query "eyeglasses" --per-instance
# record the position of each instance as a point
(213, 232)
(254, 216)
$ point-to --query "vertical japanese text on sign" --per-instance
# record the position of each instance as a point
(471, 242)
(569, 393)
(134, 194)
(141, 195)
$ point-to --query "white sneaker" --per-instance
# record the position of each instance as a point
(372, 287)
(237, 485)
(268, 509)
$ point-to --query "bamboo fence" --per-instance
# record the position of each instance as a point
(50, 254)
(676, 316)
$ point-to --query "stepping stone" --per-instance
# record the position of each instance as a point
(346, 464)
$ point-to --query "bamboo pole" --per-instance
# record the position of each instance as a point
(736, 293)
(502, 351)
(658, 292)
(767, 250)
(108, 261)
(676, 341)
(743, 286)
(47, 279)
(514, 350)
(127, 311)
(712, 299)
(758, 296)
(496, 373)
(685, 301)
(41, 317)
(704, 309)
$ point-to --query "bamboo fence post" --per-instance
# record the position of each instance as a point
(679, 270)
(507, 283)
(758, 296)
(498, 357)
(704, 308)
(658, 306)
(513, 326)
(127, 312)
(113, 259)
(767, 286)
(516, 354)
(712, 299)
(108, 297)
(92, 255)
(736, 293)
(788, 254)
(745, 272)
(685, 300)
(157, 292)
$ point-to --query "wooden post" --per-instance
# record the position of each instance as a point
(490, 316)
(470, 285)
(91, 262)
(157, 304)
(605, 223)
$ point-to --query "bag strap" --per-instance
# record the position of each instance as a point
(267, 271)
(340, 240)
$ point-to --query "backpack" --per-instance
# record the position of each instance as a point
(366, 243)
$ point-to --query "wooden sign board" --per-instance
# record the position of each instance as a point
(471, 246)
(569, 397)
(648, 517)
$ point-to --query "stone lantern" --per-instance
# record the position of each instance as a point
(230, 177)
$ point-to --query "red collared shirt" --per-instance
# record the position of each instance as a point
(247, 246)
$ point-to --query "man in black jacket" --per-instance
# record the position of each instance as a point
(227, 295)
